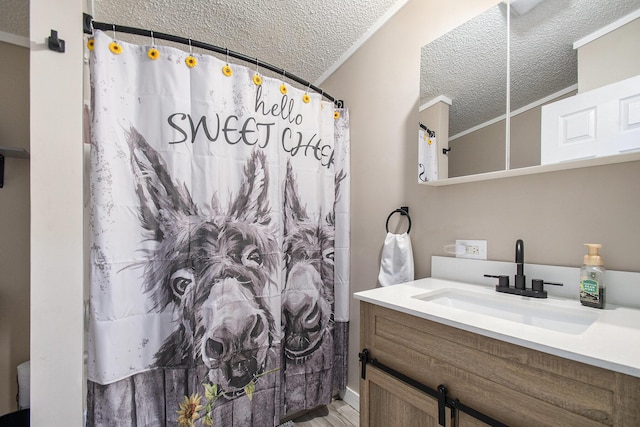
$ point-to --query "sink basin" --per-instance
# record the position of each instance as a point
(529, 312)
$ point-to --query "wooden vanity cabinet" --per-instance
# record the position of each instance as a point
(510, 383)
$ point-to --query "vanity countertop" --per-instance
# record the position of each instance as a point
(611, 341)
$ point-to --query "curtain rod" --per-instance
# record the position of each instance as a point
(89, 25)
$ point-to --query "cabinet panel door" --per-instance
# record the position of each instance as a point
(600, 122)
(387, 401)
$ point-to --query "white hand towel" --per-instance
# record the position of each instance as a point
(396, 265)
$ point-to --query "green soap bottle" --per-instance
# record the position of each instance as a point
(592, 272)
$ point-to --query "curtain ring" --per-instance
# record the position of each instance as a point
(190, 48)
(153, 43)
(114, 31)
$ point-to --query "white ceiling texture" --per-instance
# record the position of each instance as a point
(308, 38)
(468, 65)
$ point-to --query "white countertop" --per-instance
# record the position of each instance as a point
(612, 341)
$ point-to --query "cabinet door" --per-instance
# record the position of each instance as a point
(600, 122)
(387, 401)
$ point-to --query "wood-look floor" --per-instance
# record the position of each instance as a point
(336, 414)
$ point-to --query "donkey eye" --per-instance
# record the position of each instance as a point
(251, 256)
(180, 281)
(180, 285)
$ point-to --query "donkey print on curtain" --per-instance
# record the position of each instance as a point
(217, 199)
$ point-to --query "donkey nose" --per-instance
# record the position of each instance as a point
(236, 346)
(237, 335)
(297, 302)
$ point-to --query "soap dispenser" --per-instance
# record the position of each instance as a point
(592, 278)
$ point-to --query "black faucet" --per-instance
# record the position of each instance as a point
(520, 277)
(537, 285)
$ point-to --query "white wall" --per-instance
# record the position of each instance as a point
(56, 216)
(613, 57)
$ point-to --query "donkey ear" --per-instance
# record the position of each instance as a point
(294, 212)
(162, 203)
(251, 204)
(331, 216)
(215, 205)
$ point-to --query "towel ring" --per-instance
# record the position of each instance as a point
(402, 211)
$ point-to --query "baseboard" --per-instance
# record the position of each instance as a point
(351, 398)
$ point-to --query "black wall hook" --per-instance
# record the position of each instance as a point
(55, 43)
(446, 150)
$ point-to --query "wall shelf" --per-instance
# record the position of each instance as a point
(531, 170)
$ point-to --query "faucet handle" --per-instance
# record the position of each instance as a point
(503, 281)
(538, 284)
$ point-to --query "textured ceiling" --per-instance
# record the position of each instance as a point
(14, 18)
(468, 65)
(304, 37)
(307, 38)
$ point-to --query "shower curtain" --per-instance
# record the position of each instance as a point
(219, 242)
